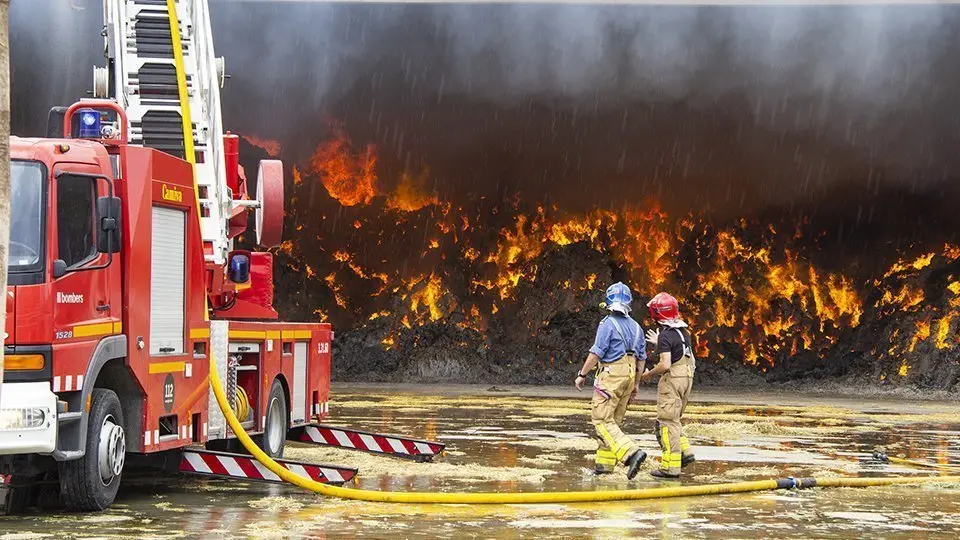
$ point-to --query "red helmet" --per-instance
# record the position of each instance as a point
(664, 307)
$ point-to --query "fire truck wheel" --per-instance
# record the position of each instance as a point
(275, 431)
(91, 482)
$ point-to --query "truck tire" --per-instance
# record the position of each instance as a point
(275, 430)
(91, 482)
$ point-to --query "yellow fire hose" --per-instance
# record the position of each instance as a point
(884, 458)
(539, 497)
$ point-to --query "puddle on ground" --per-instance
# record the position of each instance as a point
(506, 442)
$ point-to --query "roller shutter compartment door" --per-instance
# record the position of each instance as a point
(166, 281)
(299, 397)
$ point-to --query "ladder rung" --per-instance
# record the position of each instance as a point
(160, 103)
(163, 89)
(160, 117)
(154, 48)
(153, 23)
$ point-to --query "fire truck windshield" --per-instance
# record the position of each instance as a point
(26, 215)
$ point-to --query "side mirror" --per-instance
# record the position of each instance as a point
(108, 216)
(59, 268)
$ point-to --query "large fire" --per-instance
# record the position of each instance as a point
(750, 292)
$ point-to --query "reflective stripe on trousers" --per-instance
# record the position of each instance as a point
(611, 395)
(672, 394)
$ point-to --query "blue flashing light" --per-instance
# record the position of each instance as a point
(89, 124)
(239, 268)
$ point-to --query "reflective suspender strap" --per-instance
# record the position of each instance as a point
(623, 338)
(682, 340)
(687, 349)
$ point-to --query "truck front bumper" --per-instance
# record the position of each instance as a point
(28, 418)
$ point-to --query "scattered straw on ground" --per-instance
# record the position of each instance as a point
(559, 445)
(276, 504)
(733, 430)
(831, 473)
(105, 518)
(545, 460)
(371, 465)
(753, 472)
(276, 529)
(169, 507)
(23, 536)
(220, 485)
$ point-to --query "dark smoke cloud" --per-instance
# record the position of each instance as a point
(716, 109)
(53, 47)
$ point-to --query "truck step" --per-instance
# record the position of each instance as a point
(227, 465)
(391, 445)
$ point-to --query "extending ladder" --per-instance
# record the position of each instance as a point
(163, 72)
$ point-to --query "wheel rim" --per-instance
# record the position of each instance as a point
(276, 426)
(111, 451)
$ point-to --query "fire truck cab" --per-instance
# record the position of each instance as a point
(116, 313)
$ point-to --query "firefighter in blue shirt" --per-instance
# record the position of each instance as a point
(618, 354)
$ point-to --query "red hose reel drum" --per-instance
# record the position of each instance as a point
(269, 212)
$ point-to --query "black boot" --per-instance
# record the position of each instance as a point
(664, 474)
(634, 462)
(600, 469)
(687, 459)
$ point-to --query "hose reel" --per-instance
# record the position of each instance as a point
(236, 395)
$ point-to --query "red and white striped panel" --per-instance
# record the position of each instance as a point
(371, 442)
(241, 466)
(67, 383)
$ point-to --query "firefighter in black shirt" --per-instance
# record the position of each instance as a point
(676, 365)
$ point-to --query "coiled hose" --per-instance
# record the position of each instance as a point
(241, 404)
(539, 497)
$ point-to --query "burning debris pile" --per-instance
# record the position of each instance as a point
(502, 291)
(910, 330)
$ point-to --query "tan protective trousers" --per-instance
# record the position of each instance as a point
(612, 387)
(672, 393)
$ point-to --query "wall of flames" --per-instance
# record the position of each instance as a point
(394, 255)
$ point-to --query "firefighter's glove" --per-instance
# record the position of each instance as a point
(653, 336)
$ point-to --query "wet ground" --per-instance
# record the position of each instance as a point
(510, 439)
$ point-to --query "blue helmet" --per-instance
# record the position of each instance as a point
(619, 298)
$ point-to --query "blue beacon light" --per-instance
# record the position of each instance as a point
(89, 124)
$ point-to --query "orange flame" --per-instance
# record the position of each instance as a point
(907, 298)
(954, 287)
(428, 297)
(272, 146)
(350, 177)
(922, 333)
(943, 331)
(919, 263)
(411, 193)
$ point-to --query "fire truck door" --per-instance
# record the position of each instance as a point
(83, 289)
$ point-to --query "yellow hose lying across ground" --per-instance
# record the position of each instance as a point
(538, 497)
(923, 464)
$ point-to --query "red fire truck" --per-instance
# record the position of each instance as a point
(125, 287)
